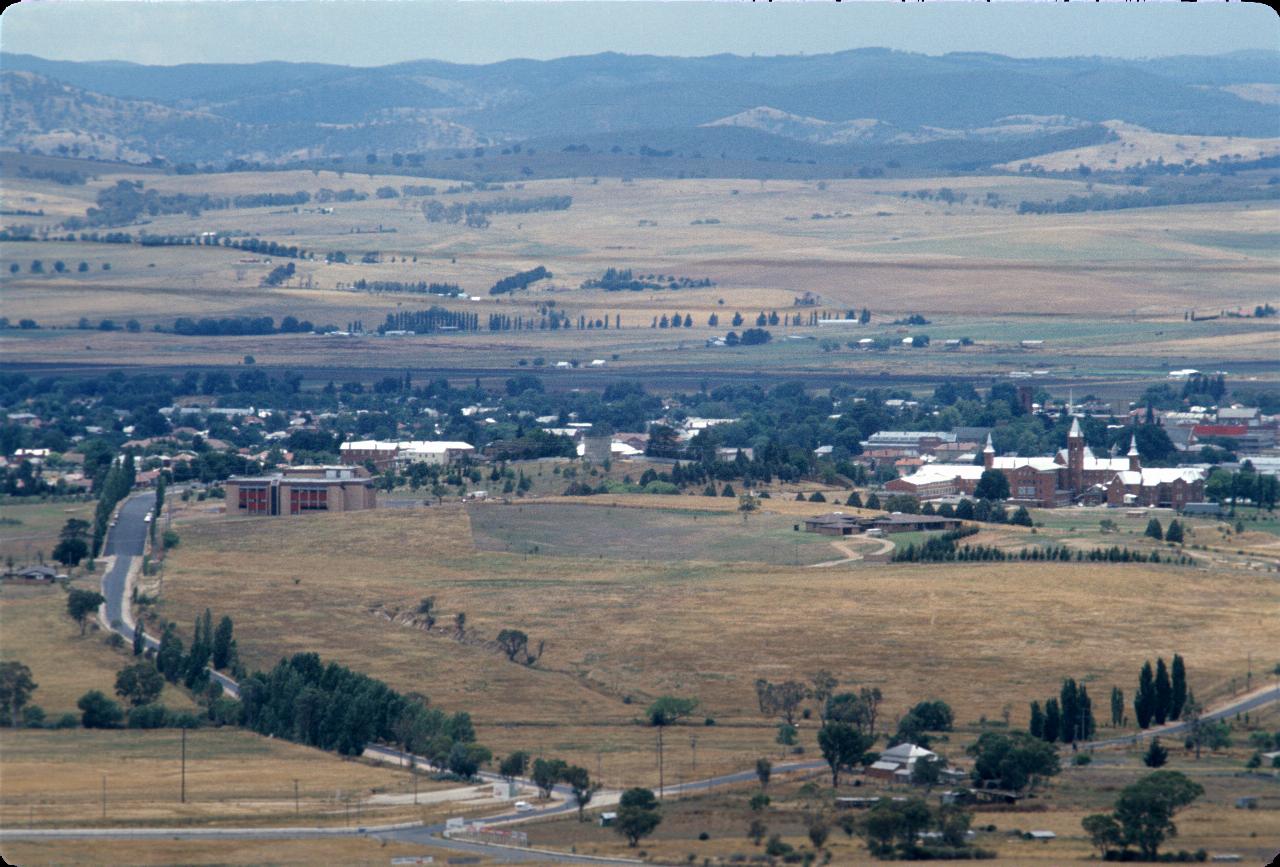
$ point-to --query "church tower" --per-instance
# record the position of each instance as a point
(989, 454)
(1075, 457)
(1135, 460)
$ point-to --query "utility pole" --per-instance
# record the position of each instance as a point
(296, 809)
(693, 746)
(104, 796)
(661, 785)
(415, 785)
(183, 795)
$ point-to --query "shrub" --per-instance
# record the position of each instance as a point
(148, 716)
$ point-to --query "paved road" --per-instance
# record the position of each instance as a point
(1247, 702)
(127, 541)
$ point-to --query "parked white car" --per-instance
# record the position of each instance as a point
(523, 807)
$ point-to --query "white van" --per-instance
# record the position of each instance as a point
(523, 807)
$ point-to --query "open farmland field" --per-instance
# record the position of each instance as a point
(693, 627)
(233, 778)
(978, 271)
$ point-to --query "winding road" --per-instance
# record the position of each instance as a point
(126, 543)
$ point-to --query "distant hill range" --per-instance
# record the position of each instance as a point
(957, 110)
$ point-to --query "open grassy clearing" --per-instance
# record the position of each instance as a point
(617, 628)
(651, 534)
(233, 777)
(36, 630)
(37, 526)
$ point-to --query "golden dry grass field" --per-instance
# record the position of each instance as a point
(982, 636)
(984, 272)
(233, 777)
(36, 630)
(164, 853)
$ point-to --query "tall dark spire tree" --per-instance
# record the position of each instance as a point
(1178, 685)
(1145, 698)
(1163, 694)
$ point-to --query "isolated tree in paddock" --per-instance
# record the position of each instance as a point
(1156, 755)
(1036, 724)
(1163, 693)
(513, 643)
(83, 603)
(1178, 687)
(638, 815)
(1154, 530)
(139, 684)
(1145, 809)
(16, 687)
(843, 746)
(1174, 532)
(782, 700)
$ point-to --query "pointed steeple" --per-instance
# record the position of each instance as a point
(1135, 461)
(1074, 433)
(990, 448)
(989, 454)
(1133, 445)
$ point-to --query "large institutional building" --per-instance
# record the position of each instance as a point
(384, 454)
(1073, 475)
(301, 491)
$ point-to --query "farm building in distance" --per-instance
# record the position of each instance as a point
(301, 491)
(1074, 474)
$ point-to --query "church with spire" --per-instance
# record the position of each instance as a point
(1073, 475)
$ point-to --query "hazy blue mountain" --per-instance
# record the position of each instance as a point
(274, 111)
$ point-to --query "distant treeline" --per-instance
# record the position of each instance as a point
(1149, 199)
(237, 326)
(128, 201)
(520, 280)
(422, 287)
(616, 280)
(67, 178)
(476, 213)
(432, 320)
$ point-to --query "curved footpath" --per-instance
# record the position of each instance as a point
(126, 543)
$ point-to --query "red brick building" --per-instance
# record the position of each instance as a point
(301, 491)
